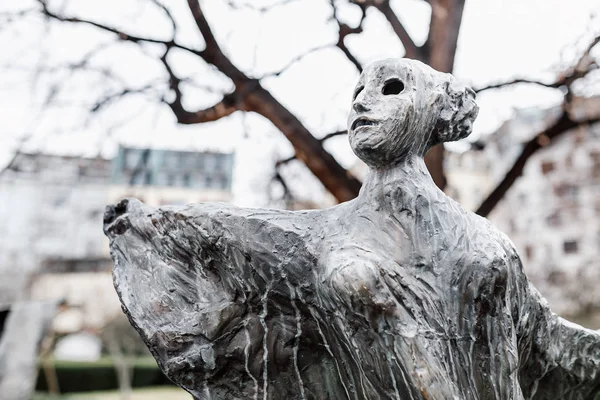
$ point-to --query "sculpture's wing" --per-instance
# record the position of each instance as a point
(204, 284)
(558, 359)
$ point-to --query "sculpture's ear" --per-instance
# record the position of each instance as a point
(458, 111)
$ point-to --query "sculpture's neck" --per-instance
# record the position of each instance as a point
(396, 188)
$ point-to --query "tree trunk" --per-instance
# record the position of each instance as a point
(440, 50)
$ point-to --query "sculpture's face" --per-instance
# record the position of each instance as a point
(402, 107)
(382, 118)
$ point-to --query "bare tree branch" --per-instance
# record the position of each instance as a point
(112, 97)
(225, 107)
(294, 60)
(288, 196)
(251, 96)
(342, 46)
(410, 48)
(83, 65)
(499, 85)
(584, 65)
(562, 125)
(8, 17)
(222, 109)
(121, 34)
(566, 79)
(262, 9)
(213, 53)
(345, 30)
(167, 12)
(444, 27)
(323, 139)
(333, 134)
(308, 149)
(285, 161)
(248, 95)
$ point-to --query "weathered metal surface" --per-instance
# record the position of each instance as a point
(397, 294)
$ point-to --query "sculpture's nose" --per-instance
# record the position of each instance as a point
(359, 107)
(360, 103)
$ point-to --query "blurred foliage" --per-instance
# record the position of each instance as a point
(154, 393)
(101, 375)
(128, 340)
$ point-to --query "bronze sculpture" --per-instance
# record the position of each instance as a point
(397, 294)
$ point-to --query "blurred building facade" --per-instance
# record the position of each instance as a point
(159, 177)
(51, 209)
(552, 212)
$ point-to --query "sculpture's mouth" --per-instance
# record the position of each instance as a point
(362, 121)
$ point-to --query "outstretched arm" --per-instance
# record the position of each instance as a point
(212, 289)
(559, 359)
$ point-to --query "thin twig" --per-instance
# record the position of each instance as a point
(122, 35)
(295, 60)
(333, 134)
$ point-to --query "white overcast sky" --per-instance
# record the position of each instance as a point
(499, 40)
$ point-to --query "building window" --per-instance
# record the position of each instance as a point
(547, 167)
(210, 162)
(557, 277)
(569, 161)
(161, 179)
(529, 252)
(131, 158)
(553, 219)
(221, 162)
(171, 161)
(595, 156)
(222, 183)
(199, 162)
(191, 161)
(138, 178)
(566, 191)
(570, 246)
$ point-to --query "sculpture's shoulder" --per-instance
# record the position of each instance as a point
(222, 216)
(482, 235)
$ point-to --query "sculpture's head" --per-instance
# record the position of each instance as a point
(402, 107)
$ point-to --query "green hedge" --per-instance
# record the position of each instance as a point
(100, 375)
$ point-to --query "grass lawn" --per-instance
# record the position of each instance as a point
(158, 393)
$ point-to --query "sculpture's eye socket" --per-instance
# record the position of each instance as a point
(357, 92)
(394, 86)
